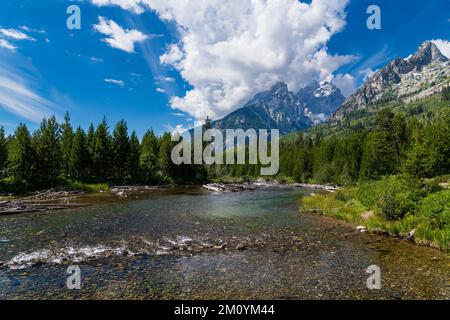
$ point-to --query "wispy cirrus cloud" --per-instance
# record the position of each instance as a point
(120, 83)
(118, 37)
(15, 34)
(31, 30)
(95, 59)
(131, 5)
(7, 36)
(18, 94)
(7, 45)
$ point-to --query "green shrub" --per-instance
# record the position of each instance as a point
(369, 192)
(285, 180)
(346, 194)
(436, 208)
(399, 197)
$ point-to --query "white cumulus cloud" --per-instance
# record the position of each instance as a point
(346, 83)
(119, 37)
(230, 50)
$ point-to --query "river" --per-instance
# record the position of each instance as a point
(187, 243)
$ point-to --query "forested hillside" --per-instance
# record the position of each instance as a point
(392, 138)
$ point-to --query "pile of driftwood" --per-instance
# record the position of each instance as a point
(249, 186)
(230, 187)
(326, 187)
(40, 201)
(125, 191)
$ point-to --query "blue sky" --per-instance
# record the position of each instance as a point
(166, 52)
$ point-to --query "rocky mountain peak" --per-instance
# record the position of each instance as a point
(325, 89)
(276, 94)
(279, 87)
(276, 108)
(428, 52)
(321, 98)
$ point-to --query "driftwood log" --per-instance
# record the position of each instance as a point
(40, 201)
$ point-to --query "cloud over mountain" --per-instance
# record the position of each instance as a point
(230, 50)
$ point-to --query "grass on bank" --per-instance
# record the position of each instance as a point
(9, 186)
(399, 205)
(70, 185)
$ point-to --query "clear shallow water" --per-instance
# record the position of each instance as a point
(190, 244)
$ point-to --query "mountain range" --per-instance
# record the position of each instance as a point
(279, 108)
(420, 75)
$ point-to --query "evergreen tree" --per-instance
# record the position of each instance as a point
(134, 157)
(381, 151)
(399, 135)
(101, 154)
(437, 143)
(66, 145)
(46, 142)
(164, 156)
(79, 155)
(149, 156)
(90, 144)
(3, 150)
(443, 142)
(121, 149)
(446, 94)
(21, 156)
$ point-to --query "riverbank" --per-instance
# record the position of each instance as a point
(10, 188)
(70, 196)
(415, 210)
(73, 193)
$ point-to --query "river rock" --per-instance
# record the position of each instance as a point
(361, 229)
(221, 247)
(411, 234)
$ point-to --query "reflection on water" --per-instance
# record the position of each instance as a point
(188, 243)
